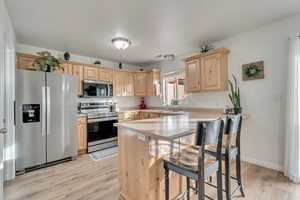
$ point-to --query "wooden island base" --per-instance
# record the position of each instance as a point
(141, 172)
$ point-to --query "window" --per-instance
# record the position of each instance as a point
(173, 88)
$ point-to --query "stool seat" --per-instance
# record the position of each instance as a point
(187, 160)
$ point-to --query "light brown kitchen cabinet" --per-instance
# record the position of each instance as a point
(123, 83)
(192, 70)
(78, 72)
(68, 68)
(81, 135)
(144, 115)
(128, 84)
(24, 61)
(90, 73)
(119, 88)
(207, 71)
(105, 75)
(140, 82)
(154, 115)
(153, 83)
(214, 72)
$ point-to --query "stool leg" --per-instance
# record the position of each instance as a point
(188, 188)
(200, 189)
(227, 178)
(238, 172)
(219, 182)
(166, 183)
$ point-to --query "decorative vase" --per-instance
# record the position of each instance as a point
(237, 110)
(233, 111)
(67, 56)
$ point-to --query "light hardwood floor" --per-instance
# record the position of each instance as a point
(86, 179)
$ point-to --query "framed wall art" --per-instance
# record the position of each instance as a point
(253, 71)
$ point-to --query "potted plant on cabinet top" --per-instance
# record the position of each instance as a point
(234, 97)
(47, 63)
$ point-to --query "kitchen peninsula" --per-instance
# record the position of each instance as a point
(142, 146)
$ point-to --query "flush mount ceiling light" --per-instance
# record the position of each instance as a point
(121, 43)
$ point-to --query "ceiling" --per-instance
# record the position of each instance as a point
(86, 27)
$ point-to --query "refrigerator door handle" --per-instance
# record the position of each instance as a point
(48, 110)
(44, 111)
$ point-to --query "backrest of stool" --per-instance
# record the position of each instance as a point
(233, 130)
(233, 124)
(208, 132)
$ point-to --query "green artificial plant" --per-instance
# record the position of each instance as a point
(234, 94)
(47, 63)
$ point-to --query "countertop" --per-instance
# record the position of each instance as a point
(169, 127)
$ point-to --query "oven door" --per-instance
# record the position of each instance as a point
(96, 89)
(101, 132)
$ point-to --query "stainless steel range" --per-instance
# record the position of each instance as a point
(101, 133)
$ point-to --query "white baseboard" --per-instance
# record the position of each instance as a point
(263, 163)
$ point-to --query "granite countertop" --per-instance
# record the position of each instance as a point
(169, 127)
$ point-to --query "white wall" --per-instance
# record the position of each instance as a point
(263, 133)
(7, 51)
(122, 101)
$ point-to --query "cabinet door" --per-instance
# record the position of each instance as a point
(192, 69)
(153, 83)
(78, 72)
(24, 62)
(156, 82)
(144, 115)
(140, 82)
(150, 84)
(68, 68)
(118, 87)
(105, 75)
(129, 84)
(212, 73)
(154, 115)
(81, 135)
(90, 73)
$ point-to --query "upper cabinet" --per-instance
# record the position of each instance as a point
(105, 75)
(192, 70)
(207, 71)
(153, 83)
(78, 71)
(140, 82)
(129, 83)
(24, 61)
(90, 73)
(125, 82)
(68, 68)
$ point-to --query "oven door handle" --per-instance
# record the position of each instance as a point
(102, 119)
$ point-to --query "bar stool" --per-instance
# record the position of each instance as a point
(231, 151)
(194, 163)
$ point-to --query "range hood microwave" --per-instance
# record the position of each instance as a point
(97, 89)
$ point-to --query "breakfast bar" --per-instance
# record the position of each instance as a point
(142, 147)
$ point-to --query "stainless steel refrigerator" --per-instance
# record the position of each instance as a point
(46, 108)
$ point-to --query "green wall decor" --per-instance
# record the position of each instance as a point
(253, 71)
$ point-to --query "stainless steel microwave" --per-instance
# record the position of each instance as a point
(96, 89)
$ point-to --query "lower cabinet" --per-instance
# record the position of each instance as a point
(81, 135)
